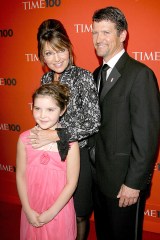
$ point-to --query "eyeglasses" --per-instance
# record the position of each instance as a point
(51, 54)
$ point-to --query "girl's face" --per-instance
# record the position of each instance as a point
(46, 112)
(56, 60)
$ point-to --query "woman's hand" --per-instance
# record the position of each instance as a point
(39, 138)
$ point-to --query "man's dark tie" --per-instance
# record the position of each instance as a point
(103, 77)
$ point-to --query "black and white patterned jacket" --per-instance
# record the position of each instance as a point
(82, 117)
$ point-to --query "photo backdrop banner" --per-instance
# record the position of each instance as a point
(21, 71)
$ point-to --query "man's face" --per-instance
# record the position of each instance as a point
(106, 39)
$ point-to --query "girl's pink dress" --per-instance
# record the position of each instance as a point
(46, 177)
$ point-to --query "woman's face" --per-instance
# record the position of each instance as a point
(56, 60)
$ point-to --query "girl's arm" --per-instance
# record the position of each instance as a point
(73, 166)
(31, 215)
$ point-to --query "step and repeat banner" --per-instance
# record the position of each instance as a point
(20, 69)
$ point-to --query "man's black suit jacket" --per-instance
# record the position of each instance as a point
(126, 145)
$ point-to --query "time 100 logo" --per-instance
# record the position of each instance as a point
(52, 3)
(7, 81)
(6, 32)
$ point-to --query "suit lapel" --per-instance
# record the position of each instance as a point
(112, 79)
(114, 75)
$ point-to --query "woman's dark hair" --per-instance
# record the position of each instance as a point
(53, 32)
(58, 91)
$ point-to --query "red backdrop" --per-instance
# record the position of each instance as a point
(21, 71)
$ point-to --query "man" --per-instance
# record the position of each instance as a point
(126, 145)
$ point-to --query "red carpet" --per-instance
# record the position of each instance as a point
(10, 217)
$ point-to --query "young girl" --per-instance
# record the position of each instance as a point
(46, 181)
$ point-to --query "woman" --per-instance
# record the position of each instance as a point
(82, 117)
